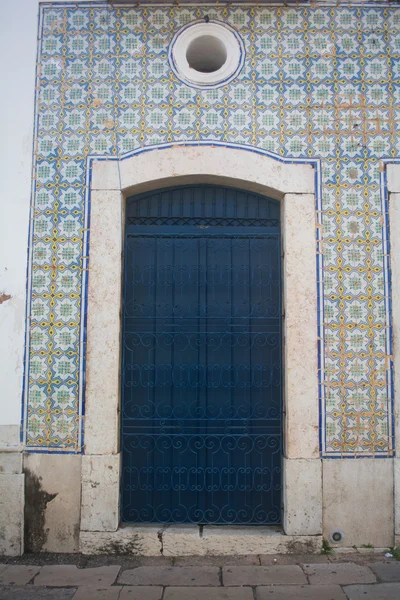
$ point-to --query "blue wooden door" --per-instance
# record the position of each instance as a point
(201, 366)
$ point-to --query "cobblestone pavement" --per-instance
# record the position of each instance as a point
(355, 576)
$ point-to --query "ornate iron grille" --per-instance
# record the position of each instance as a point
(201, 373)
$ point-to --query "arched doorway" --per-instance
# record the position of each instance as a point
(296, 187)
(201, 396)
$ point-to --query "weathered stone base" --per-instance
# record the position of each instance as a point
(47, 488)
(52, 502)
(189, 540)
(11, 504)
(135, 541)
(358, 501)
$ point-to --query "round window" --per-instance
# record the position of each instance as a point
(206, 54)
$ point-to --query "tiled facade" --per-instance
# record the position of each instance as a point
(319, 83)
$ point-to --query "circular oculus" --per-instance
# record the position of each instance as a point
(206, 54)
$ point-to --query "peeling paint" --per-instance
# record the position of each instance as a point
(4, 298)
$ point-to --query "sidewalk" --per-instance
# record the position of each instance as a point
(355, 576)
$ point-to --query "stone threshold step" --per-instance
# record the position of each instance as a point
(191, 540)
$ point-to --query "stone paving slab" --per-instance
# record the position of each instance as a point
(129, 562)
(216, 561)
(184, 593)
(280, 574)
(362, 558)
(381, 591)
(34, 592)
(64, 575)
(300, 592)
(17, 574)
(48, 558)
(97, 593)
(341, 574)
(292, 559)
(178, 576)
(141, 593)
(387, 572)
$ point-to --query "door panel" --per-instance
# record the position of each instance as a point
(201, 373)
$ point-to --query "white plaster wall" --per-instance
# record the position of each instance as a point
(18, 54)
(18, 41)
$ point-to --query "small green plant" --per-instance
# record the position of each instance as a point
(395, 552)
(326, 549)
(367, 546)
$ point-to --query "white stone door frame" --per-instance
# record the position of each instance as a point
(111, 182)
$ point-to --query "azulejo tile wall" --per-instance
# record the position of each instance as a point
(317, 82)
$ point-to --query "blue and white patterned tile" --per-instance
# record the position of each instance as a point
(63, 427)
(63, 396)
(321, 86)
(66, 311)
